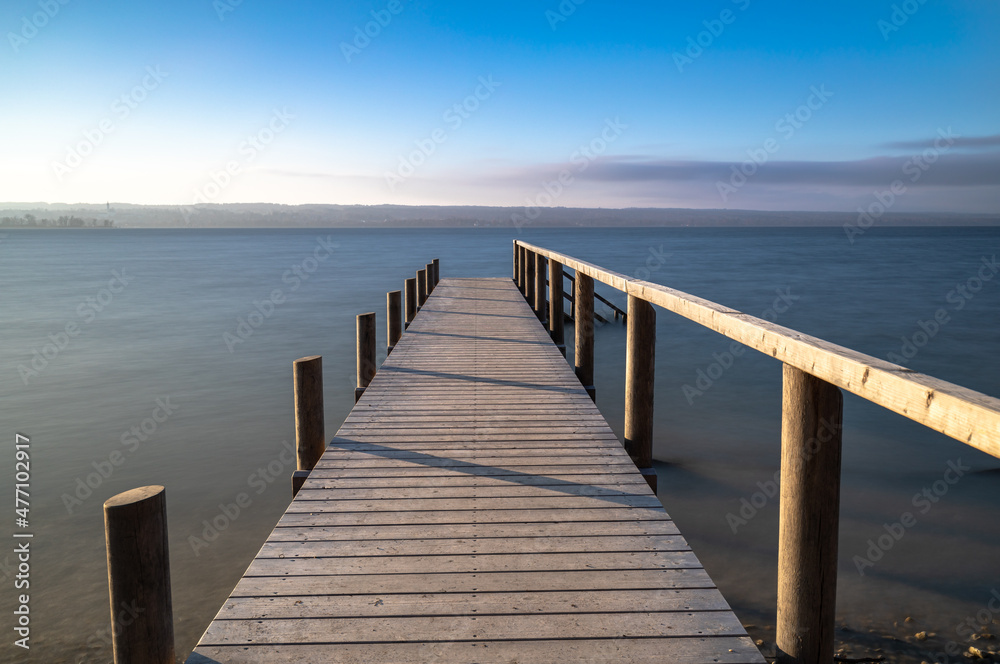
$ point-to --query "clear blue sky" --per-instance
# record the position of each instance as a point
(664, 122)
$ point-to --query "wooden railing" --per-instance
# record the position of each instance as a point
(812, 409)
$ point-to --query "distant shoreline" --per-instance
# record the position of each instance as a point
(266, 215)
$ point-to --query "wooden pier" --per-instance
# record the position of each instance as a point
(475, 507)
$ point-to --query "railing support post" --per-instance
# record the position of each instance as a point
(421, 287)
(310, 437)
(135, 530)
(541, 308)
(811, 428)
(529, 282)
(429, 271)
(522, 271)
(410, 287)
(394, 318)
(557, 321)
(583, 355)
(516, 262)
(639, 369)
(366, 353)
(437, 270)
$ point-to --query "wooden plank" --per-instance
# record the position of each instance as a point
(682, 650)
(472, 531)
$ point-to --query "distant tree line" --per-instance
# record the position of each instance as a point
(30, 221)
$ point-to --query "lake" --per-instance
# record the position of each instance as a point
(135, 357)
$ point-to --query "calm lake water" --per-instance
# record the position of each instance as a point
(149, 312)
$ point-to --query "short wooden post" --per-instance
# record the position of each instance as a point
(639, 365)
(394, 318)
(366, 353)
(421, 287)
(310, 437)
(437, 270)
(516, 263)
(411, 300)
(811, 429)
(583, 355)
(540, 304)
(557, 319)
(529, 282)
(429, 271)
(135, 530)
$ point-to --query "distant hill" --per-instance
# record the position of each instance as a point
(268, 215)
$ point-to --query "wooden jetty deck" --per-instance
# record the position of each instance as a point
(475, 507)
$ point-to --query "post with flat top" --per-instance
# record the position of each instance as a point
(366, 353)
(583, 355)
(421, 287)
(529, 283)
(811, 431)
(429, 271)
(394, 318)
(557, 322)
(135, 531)
(411, 300)
(522, 270)
(639, 365)
(540, 304)
(310, 437)
(437, 270)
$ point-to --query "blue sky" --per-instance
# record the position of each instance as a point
(724, 104)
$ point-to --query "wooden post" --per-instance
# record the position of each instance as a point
(516, 262)
(437, 270)
(429, 271)
(421, 287)
(557, 319)
(411, 300)
(811, 428)
(393, 317)
(522, 271)
(310, 437)
(529, 281)
(135, 530)
(366, 353)
(541, 308)
(583, 356)
(639, 365)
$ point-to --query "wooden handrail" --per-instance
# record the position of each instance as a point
(963, 414)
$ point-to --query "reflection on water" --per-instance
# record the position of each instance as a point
(146, 387)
